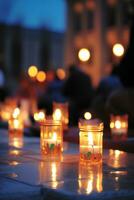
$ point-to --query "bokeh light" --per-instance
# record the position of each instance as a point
(41, 76)
(32, 71)
(118, 50)
(61, 73)
(87, 115)
(84, 54)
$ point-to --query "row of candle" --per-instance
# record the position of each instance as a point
(90, 135)
(118, 124)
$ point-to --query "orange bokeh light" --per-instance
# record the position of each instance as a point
(41, 76)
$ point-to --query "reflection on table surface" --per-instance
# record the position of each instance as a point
(68, 175)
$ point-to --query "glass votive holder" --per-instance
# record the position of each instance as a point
(91, 136)
(51, 138)
(60, 112)
(119, 126)
(15, 128)
(90, 178)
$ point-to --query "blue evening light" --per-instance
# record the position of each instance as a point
(48, 14)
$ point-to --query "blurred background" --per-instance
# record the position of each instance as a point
(52, 35)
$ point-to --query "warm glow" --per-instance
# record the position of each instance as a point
(32, 71)
(90, 139)
(118, 50)
(36, 117)
(112, 125)
(54, 138)
(87, 115)
(16, 112)
(41, 115)
(84, 54)
(14, 152)
(61, 74)
(117, 124)
(16, 123)
(124, 124)
(89, 188)
(57, 115)
(41, 76)
(117, 153)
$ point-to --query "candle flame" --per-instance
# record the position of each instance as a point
(90, 138)
(57, 114)
(16, 113)
(117, 124)
(54, 136)
(16, 123)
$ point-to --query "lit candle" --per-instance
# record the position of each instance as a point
(39, 116)
(16, 129)
(119, 126)
(51, 138)
(90, 140)
(60, 112)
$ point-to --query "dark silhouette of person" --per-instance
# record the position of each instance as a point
(121, 101)
(79, 91)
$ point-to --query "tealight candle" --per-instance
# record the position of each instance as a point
(90, 140)
(60, 112)
(119, 126)
(51, 138)
(15, 126)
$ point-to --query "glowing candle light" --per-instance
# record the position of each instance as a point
(90, 141)
(60, 112)
(39, 116)
(51, 138)
(119, 127)
(16, 129)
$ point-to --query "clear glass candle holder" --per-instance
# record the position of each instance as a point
(91, 136)
(51, 138)
(15, 127)
(119, 127)
(60, 112)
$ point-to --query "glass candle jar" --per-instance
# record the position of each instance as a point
(91, 135)
(51, 138)
(119, 126)
(60, 112)
(15, 127)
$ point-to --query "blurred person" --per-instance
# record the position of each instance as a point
(53, 92)
(3, 88)
(106, 87)
(121, 101)
(79, 91)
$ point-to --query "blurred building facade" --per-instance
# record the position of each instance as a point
(93, 24)
(96, 25)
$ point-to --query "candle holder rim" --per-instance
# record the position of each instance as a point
(50, 122)
(92, 124)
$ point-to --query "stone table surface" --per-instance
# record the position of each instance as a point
(24, 174)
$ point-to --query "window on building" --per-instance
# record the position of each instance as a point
(111, 15)
(90, 19)
(77, 19)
